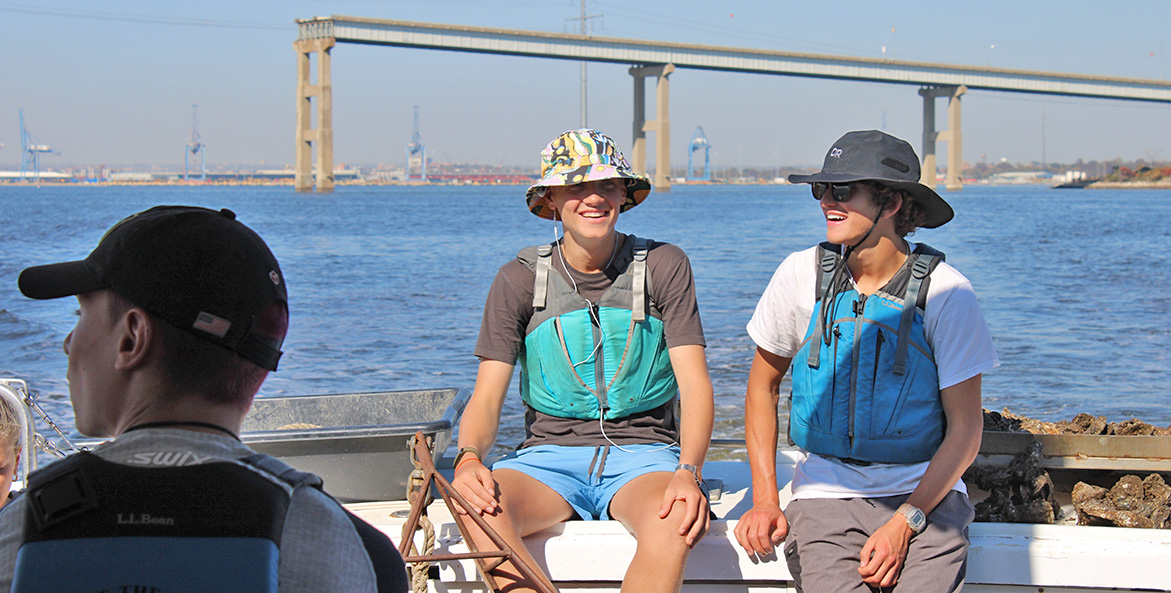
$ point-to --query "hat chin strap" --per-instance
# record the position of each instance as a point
(836, 278)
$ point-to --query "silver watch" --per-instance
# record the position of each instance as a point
(916, 520)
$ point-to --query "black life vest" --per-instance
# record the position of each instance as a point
(96, 526)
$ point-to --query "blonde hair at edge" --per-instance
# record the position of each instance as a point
(9, 427)
(9, 447)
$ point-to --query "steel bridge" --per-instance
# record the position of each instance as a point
(659, 60)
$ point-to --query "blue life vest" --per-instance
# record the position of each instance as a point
(564, 371)
(867, 390)
(98, 526)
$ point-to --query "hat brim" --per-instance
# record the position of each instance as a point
(53, 281)
(938, 211)
(637, 190)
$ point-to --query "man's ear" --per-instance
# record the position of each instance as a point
(894, 205)
(136, 336)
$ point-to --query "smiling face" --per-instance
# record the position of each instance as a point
(588, 211)
(846, 222)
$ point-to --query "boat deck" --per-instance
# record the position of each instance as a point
(589, 555)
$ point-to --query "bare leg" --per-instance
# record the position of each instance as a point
(526, 506)
(661, 553)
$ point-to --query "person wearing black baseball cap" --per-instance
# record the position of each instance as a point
(887, 344)
(182, 313)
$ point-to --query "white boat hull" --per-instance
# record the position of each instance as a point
(592, 555)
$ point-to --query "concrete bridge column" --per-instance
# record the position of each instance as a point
(306, 135)
(953, 135)
(661, 125)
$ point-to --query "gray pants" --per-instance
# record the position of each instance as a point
(826, 536)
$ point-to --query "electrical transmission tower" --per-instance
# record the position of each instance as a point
(699, 142)
(416, 148)
(31, 152)
(195, 146)
(583, 18)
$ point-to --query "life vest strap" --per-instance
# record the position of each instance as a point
(919, 270)
(541, 283)
(829, 262)
(638, 269)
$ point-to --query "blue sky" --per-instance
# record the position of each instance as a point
(113, 82)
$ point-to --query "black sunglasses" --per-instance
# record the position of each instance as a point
(842, 192)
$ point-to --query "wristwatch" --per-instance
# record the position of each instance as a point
(916, 520)
(694, 472)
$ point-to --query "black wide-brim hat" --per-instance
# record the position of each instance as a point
(872, 155)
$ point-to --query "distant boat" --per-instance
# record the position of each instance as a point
(1076, 184)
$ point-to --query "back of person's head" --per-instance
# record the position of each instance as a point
(210, 283)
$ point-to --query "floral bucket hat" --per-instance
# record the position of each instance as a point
(578, 156)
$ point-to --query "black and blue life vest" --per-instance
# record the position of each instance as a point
(96, 526)
(585, 360)
(865, 383)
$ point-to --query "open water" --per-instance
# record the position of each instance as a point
(387, 283)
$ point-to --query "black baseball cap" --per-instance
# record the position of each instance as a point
(199, 270)
(872, 155)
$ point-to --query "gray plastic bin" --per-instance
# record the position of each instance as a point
(358, 441)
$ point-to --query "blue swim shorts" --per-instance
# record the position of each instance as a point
(589, 477)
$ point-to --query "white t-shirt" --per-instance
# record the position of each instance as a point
(955, 328)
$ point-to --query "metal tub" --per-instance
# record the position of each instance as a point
(357, 442)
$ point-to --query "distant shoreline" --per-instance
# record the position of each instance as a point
(1161, 184)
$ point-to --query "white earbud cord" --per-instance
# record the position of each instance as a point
(598, 346)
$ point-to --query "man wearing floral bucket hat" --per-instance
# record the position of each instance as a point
(887, 345)
(617, 398)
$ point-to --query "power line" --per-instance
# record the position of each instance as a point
(136, 18)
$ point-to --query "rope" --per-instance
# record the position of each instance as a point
(420, 570)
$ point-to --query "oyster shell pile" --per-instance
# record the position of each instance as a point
(1022, 492)
(1006, 421)
(1132, 502)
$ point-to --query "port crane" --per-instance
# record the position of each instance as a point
(31, 152)
(195, 146)
(416, 148)
(699, 142)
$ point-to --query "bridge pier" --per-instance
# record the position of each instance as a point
(661, 125)
(953, 135)
(306, 135)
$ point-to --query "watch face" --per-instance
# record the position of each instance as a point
(916, 520)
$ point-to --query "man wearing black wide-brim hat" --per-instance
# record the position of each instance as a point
(887, 345)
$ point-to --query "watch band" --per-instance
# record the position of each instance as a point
(915, 517)
(695, 474)
(465, 451)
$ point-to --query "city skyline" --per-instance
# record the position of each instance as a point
(115, 86)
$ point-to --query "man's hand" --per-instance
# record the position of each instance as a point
(684, 489)
(761, 529)
(884, 553)
(474, 482)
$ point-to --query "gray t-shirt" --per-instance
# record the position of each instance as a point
(320, 550)
(510, 305)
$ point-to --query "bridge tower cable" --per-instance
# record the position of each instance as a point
(699, 142)
(416, 148)
(30, 155)
(195, 146)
